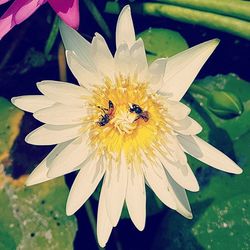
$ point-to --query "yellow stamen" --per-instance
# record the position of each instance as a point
(126, 132)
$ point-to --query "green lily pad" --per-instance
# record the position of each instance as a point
(227, 219)
(221, 211)
(162, 43)
(9, 126)
(31, 217)
(34, 217)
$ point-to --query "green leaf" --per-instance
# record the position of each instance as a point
(162, 43)
(227, 219)
(52, 37)
(31, 217)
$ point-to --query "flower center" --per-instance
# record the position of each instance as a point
(124, 121)
(126, 118)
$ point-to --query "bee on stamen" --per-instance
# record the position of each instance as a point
(108, 114)
(134, 108)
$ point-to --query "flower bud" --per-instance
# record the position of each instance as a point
(225, 104)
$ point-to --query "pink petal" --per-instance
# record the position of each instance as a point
(28, 9)
(6, 24)
(3, 1)
(67, 10)
(19, 11)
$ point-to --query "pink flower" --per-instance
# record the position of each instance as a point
(20, 10)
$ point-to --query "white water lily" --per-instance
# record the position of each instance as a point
(124, 124)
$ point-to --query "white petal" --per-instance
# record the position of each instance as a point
(188, 126)
(84, 185)
(50, 134)
(208, 154)
(63, 92)
(104, 226)
(60, 114)
(182, 174)
(39, 174)
(156, 73)
(116, 185)
(85, 77)
(177, 110)
(138, 60)
(182, 68)
(122, 60)
(136, 197)
(180, 197)
(32, 103)
(102, 56)
(76, 153)
(174, 149)
(157, 180)
(73, 41)
(125, 32)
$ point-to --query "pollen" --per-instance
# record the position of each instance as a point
(126, 131)
(124, 121)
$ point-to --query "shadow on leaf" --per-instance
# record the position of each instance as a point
(176, 232)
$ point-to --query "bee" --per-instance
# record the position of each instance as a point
(134, 108)
(108, 114)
